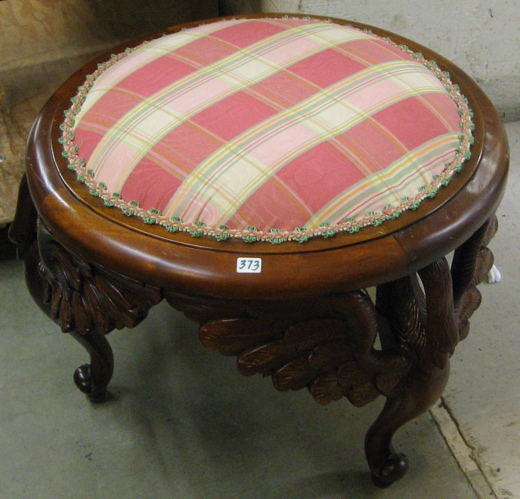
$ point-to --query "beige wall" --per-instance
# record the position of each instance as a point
(33, 31)
(480, 36)
(43, 41)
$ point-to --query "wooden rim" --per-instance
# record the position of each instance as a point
(106, 237)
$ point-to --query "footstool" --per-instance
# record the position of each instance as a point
(260, 174)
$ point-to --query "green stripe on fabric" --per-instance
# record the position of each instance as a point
(203, 182)
(400, 176)
(125, 130)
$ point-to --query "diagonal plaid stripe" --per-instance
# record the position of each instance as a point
(392, 120)
(149, 121)
(325, 115)
(409, 173)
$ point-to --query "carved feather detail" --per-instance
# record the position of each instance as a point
(327, 345)
(471, 264)
(81, 298)
(468, 304)
(332, 356)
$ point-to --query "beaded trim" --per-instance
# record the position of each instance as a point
(252, 234)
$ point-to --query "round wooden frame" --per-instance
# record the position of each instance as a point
(348, 261)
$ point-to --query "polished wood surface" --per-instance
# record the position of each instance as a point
(207, 267)
(305, 320)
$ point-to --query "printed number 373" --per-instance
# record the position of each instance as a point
(249, 265)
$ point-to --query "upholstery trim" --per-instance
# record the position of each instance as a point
(274, 235)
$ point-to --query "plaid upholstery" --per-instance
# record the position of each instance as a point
(267, 129)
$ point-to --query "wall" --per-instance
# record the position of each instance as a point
(44, 41)
(480, 36)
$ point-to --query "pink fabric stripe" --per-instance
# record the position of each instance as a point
(265, 206)
(156, 75)
(204, 51)
(282, 90)
(156, 191)
(177, 153)
(441, 105)
(232, 115)
(372, 145)
(325, 68)
(372, 51)
(322, 165)
(410, 122)
(241, 36)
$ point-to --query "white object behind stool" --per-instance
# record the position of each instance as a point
(494, 275)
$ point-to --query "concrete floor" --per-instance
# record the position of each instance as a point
(181, 423)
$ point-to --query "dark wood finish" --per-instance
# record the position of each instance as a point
(22, 231)
(7, 248)
(305, 320)
(327, 344)
(86, 302)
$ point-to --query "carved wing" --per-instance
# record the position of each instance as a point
(329, 349)
(81, 298)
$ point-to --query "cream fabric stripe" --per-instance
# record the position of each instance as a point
(401, 176)
(327, 114)
(146, 54)
(139, 58)
(216, 187)
(156, 116)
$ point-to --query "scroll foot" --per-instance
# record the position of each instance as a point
(86, 302)
(93, 379)
(83, 380)
(386, 465)
(393, 468)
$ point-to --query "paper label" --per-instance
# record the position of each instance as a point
(249, 265)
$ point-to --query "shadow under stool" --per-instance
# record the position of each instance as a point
(260, 173)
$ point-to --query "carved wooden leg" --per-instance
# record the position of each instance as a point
(427, 325)
(87, 303)
(23, 229)
(92, 379)
(386, 465)
(471, 263)
(327, 344)
(424, 326)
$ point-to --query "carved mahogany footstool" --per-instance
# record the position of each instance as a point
(260, 173)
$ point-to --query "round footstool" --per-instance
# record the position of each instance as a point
(260, 174)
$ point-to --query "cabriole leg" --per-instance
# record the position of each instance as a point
(424, 326)
(87, 303)
(427, 326)
(93, 379)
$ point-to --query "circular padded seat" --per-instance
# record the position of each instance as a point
(275, 129)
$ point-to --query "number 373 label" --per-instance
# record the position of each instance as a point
(249, 265)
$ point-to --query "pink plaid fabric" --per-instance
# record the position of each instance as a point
(267, 129)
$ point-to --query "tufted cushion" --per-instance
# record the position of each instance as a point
(267, 129)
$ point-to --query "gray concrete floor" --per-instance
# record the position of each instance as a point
(181, 423)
